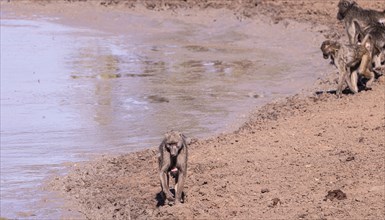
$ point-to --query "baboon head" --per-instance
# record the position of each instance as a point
(329, 48)
(174, 141)
(343, 8)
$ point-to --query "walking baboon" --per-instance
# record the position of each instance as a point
(173, 161)
(377, 33)
(349, 11)
(346, 58)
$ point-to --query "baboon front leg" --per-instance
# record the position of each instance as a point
(351, 30)
(164, 181)
(165, 186)
(341, 80)
(179, 187)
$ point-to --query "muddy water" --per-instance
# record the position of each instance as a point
(69, 93)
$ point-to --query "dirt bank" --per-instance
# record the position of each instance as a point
(282, 164)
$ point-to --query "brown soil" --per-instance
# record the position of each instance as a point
(310, 156)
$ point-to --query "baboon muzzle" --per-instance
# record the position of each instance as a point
(174, 151)
(340, 16)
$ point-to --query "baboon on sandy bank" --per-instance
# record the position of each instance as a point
(173, 161)
(346, 57)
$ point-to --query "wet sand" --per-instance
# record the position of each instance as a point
(280, 164)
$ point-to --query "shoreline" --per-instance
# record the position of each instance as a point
(228, 173)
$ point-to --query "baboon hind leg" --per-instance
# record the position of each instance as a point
(364, 69)
(377, 60)
(369, 75)
(351, 80)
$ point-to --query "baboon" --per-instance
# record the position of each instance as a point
(349, 11)
(173, 161)
(377, 33)
(346, 58)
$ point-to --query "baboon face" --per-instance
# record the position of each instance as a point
(174, 142)
(343, 7)
(174, 148)
(328, 48)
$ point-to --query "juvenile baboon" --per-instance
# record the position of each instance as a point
(345, 58)
(377, 33)
(173, 161)
(349, 11)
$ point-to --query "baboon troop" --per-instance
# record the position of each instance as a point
(172, 160)
(362, 56)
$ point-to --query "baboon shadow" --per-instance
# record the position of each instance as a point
(345, 92)
(161, 201)
(361, 87)
(327, 92)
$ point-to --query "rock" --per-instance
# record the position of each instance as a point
(335, 194)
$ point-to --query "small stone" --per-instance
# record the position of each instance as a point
(335, 194)
(350, 158)
(276, 201)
